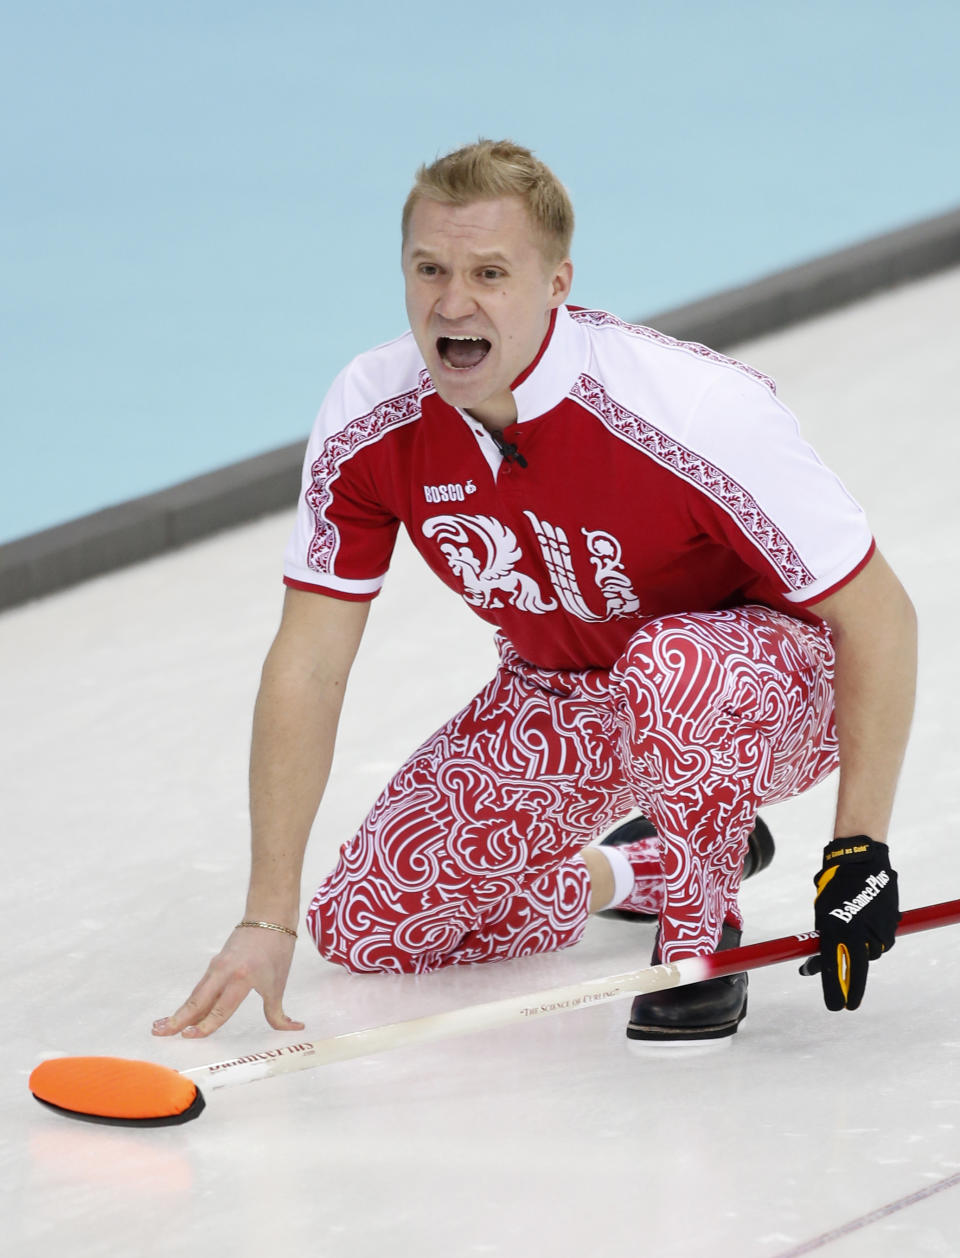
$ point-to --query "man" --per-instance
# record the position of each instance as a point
(693, 621)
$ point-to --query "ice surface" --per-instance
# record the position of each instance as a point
(126, 714)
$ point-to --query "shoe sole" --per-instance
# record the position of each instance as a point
(652, 1034)
(672, 1050)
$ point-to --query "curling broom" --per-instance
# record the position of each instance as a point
(138, 1093)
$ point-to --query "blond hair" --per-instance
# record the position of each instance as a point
(499, 168)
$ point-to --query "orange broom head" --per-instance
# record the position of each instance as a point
(116, 1090)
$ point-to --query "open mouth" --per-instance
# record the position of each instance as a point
(462, 352)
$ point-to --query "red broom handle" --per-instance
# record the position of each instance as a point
(793, 947)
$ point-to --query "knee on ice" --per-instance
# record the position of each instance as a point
(372, 946)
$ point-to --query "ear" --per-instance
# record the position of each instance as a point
(561, 283)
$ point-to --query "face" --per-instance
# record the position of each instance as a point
(479, 295)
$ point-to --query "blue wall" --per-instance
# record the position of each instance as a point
(200, 204)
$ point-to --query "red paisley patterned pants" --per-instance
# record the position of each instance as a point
(471, 852)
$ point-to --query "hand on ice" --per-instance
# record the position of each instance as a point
(251, 960)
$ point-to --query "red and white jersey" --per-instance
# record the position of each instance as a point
(659, 477)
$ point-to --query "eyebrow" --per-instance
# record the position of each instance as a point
(483, 256)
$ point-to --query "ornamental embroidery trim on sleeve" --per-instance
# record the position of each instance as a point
(692, 467)
(341, 446)
(600, 319)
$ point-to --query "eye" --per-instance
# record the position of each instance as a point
(492, 273)
(428, 269)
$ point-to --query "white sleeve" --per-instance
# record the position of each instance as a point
(774, 490)
(342, 540)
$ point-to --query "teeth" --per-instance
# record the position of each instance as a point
(465, 338)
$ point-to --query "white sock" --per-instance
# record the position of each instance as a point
(623, 875)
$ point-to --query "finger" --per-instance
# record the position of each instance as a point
(812, 965)
(832, 977)
(225, 1006)
(859, 965)
(877, 946)
(194, 1008)
(273, 1012)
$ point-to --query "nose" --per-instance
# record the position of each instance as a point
(455, 301)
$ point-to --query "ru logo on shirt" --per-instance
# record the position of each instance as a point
(484, 553)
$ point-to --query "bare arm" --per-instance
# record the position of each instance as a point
(294, 730)
(875, 633)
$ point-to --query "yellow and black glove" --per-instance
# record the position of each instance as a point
(856, 912)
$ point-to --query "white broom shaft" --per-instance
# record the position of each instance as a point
(440, 1026)
(553, 1000)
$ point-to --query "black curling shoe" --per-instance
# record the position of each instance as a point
(760, 852)
(710, 1010)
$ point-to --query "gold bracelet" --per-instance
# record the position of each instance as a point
(268, 926)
